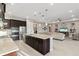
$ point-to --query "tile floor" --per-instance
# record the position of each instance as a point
(26, 50)
(67, 47)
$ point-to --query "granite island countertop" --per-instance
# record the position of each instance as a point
(7, 45)
(42, 36)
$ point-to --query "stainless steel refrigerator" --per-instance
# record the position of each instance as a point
(17, 32)
(22, 32)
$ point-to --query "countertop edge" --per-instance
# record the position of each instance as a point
(9, 52)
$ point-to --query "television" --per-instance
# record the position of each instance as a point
(63, 30)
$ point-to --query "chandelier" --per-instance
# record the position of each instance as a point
(41, 14)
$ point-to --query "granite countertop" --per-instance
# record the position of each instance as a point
(7, 45)
(42, 36)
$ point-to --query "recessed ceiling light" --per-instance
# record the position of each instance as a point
(70, 11)
(35, 13)
(27, 17)
(51, 4)
(72, 15)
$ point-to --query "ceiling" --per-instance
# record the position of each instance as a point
(43, 12)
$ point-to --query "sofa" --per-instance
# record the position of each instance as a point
(58, 36)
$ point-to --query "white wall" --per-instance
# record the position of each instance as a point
(68, 25)
(53, 27)
(29, 27)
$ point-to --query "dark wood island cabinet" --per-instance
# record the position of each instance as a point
(39, 44)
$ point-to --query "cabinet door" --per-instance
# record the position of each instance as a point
(46, 46)
(40, 45)
(27, 39)
(35, 42)
(31, 41)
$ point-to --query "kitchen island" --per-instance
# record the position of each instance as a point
(8, 47)
(39, 42)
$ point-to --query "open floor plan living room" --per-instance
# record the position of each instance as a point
(39, 29)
